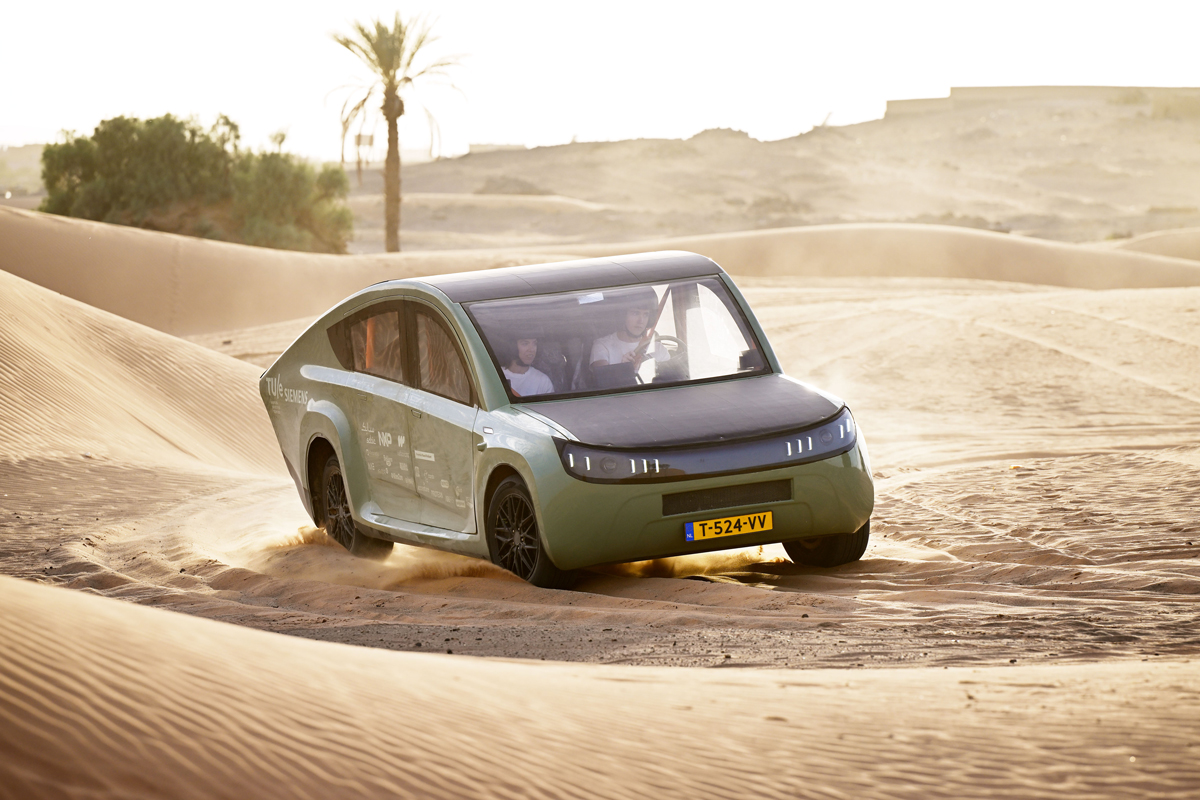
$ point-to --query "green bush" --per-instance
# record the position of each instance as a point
(281, 203)
(129, 168)
(169, 174)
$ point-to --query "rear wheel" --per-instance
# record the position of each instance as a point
(339, 523)
(830, 551)
(514, 541)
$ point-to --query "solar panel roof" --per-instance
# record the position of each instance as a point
(567, 276)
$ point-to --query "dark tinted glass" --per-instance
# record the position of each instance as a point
(618, 338)
(377, 345)
(442, 370)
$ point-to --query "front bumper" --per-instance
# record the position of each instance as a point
(587, 524)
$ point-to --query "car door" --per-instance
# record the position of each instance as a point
(441, 426)
(383, 406)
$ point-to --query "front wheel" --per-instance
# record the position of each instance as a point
(514, 541)
(339, 524)
(830, 551)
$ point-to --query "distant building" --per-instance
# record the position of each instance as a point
(406, 157)
(1182, 102)
(493, 148)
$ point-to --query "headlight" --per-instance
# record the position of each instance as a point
(620, 465)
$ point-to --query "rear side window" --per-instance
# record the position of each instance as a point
(377, 345)
(442, 368)
(373, 341)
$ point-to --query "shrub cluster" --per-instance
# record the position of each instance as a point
(169, 174)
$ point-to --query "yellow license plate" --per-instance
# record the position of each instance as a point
(728, 526)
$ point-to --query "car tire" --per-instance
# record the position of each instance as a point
(339, 523)
(514, 541)
(830, 551)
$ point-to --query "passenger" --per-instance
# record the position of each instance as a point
(630, 342)
(525, 379)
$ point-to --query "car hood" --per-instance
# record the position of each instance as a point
(697, 414)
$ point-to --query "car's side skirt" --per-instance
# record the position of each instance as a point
(382, 526)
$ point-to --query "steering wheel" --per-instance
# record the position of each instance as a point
(675, 345)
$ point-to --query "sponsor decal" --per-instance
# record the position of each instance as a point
(277, 390)
(423, 456)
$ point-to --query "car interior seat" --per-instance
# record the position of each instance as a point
(579, 349)
(551, 360)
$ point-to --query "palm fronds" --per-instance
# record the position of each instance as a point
(392, 54)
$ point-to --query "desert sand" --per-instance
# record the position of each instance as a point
(1072, 164)
(104, 699)
(189, 286)
(1075, 164)
(1024, 623)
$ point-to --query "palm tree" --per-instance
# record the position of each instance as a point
(391, 54)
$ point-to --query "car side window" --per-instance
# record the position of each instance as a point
(377, 344)
(441, 367)
(373, 341)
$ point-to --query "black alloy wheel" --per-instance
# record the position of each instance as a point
(339, 523)
(830, 551)
(514, 541)
(517, 545)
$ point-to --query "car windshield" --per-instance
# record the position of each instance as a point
(622, 338)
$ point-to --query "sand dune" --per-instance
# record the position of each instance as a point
(922, 251)
(1181, 243)
(100, 698)
(74, 379)
(1037, 534)
(452, 201)
(1072, 164)
(436, 221)
(188, 286)
(183, 285)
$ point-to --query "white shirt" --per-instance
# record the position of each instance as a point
(612, 348)
(531, 381)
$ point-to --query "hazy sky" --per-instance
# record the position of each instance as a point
(544, 72)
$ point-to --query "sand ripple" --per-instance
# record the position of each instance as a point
(1037, 535)
(100, 698)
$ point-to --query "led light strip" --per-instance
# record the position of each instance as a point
(801, 446)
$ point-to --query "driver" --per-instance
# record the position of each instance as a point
(525, 379)
(630, 342)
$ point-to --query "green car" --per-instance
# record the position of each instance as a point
(562, 416)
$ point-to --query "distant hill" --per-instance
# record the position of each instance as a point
(1064, 163)
(21, 170)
